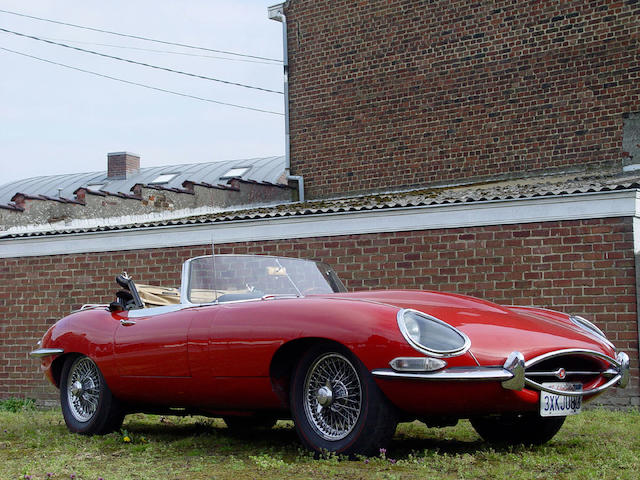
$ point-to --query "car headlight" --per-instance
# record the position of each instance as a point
(430, 335)
(585, 324)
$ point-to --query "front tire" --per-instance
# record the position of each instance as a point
(337, 406)
(88, 407)
(525, 428)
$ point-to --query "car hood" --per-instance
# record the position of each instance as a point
(494, 330)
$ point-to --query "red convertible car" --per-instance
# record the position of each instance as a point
(253, 339)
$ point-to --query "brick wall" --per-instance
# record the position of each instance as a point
(399, 93)
(584, 267)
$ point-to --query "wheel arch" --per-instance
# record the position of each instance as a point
(57, 364)
(286, 358)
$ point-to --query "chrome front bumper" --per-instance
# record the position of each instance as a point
(45, 352)
(513, 374)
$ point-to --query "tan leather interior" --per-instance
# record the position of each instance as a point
(154, 296)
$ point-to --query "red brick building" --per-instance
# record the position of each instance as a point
(474, 148)
(391, 94)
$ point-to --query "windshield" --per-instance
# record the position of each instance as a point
(228, 278)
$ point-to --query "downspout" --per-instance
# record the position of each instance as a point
(636, 255)
(276, 12)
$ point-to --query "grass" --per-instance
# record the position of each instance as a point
(17, 404)
(35, 444)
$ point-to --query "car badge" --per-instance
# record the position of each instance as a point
(561, 373)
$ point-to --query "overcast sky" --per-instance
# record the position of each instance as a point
(54, 120)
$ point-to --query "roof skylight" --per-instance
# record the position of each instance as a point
(164, 178)
(235, 172)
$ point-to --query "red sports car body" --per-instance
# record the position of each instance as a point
(255, 338)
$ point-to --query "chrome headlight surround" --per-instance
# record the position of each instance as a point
(422, 321)
(587, 326)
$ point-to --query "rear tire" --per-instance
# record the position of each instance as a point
(337, 406)
(88, 407)
(524, 428)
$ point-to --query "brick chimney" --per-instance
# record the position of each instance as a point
(121, 165)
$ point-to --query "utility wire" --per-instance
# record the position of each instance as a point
(113, 57)
(173, 52)
(141, 84)
(137, 37)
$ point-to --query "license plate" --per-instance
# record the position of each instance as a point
(552, 405)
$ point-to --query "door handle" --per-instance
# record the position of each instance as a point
(127, 323)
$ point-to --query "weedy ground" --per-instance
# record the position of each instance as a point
(35, 444)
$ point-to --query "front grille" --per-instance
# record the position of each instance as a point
(570, 368)
(596, 371)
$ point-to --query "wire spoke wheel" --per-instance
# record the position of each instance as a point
(332, 396)
(88, 407)
(83, 389)
(336, 405)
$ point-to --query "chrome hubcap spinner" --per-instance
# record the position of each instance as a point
(332, 396)
(76, 389)
(325, 396)
(83, 389)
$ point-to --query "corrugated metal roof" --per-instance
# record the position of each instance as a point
(525, 188)
(269, 169)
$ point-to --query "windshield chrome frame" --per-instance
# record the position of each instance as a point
(186, 269)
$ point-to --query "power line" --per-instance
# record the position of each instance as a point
(113, 57)
(137, 37)
(173, 52)
(141, 84)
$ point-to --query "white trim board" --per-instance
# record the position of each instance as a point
(500, 212)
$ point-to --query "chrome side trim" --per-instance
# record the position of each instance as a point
(454, 374)
(160, 310)
(92, 306)
(45, 352)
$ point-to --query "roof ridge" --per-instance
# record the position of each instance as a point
(99, 172)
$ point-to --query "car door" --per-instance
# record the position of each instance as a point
(241, 345)
(151, 352)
